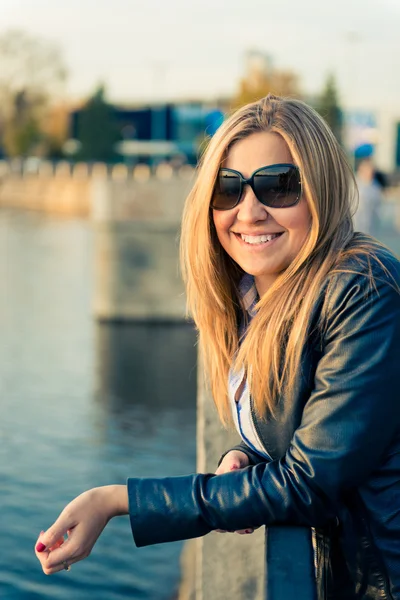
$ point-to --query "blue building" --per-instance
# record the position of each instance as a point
(183, 125)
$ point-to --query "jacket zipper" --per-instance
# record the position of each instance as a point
(374, 550)
(256, 427)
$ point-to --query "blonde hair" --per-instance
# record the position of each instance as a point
(271, 351)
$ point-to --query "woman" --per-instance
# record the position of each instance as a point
(299, 326)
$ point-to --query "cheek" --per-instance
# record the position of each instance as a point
(223, 222)
(296, 220)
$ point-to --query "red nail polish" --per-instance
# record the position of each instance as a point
(40, 547)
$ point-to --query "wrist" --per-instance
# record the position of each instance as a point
(116, 500)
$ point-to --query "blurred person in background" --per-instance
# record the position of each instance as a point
(299, 328)
(381, 179)
(370, 186)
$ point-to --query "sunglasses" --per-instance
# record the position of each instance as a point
(275, 186)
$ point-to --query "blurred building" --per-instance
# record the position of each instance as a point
(165, 131)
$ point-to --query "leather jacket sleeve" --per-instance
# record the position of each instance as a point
(351, 417)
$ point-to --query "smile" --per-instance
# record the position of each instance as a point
(258, 240)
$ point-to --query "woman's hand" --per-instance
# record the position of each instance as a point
(82, 520)
(233, 460)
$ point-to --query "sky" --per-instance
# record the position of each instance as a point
(181, 49)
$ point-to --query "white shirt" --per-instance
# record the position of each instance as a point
(241, 407)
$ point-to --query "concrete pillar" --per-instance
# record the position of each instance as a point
(63, 169)
(119, 172)
(80, 171)
(46, 169)
(99, 170)
(229, 565)
(220, 565)
(4, 168)
(136, 272)
(136, 227)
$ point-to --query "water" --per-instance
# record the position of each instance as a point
(81, 405)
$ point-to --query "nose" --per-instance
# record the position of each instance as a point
(250, 209)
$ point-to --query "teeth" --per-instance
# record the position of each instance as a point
(258, 239)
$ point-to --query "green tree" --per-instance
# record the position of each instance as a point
(329, 108)
(32, 71)
(97, 130)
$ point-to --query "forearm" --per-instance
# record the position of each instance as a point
(178, 508)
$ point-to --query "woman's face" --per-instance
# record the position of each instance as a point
(250, 218)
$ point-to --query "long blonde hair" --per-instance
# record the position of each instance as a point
(271, 351)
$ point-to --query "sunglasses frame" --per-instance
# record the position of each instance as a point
(250, 181)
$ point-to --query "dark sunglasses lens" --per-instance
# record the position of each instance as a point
(226, 190)
(278, 187)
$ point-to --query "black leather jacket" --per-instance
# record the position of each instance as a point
(335, 450)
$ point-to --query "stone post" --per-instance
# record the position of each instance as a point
(220, 565)
(136, 228)
(229, 565)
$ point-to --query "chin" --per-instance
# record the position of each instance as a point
(259, 271)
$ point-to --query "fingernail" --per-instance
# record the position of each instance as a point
(40, 547)
(248, 531)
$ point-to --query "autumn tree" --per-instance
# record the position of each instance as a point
(55, 129)
(261, 79)
(32, 70)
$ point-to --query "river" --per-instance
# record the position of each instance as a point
(82, 404)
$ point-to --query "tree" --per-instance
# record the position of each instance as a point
(32, 70)
(21, 129)
(55, 128)
(261, 79)
(329, 108)
(97, 130)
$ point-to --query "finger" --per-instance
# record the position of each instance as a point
(52, 556)
(50, 570)
(57, 544)
(57, 531)
(41, 553)
(52, 562)
(44, 555)
(68, 552)
(244, 531)
(221, 530)
(234, 459)
(226, 468)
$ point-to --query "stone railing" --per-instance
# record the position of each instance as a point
(68, 189)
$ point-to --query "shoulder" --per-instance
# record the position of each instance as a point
(366, 271)
(366, 260)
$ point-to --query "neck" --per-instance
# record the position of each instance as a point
(263, 283)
